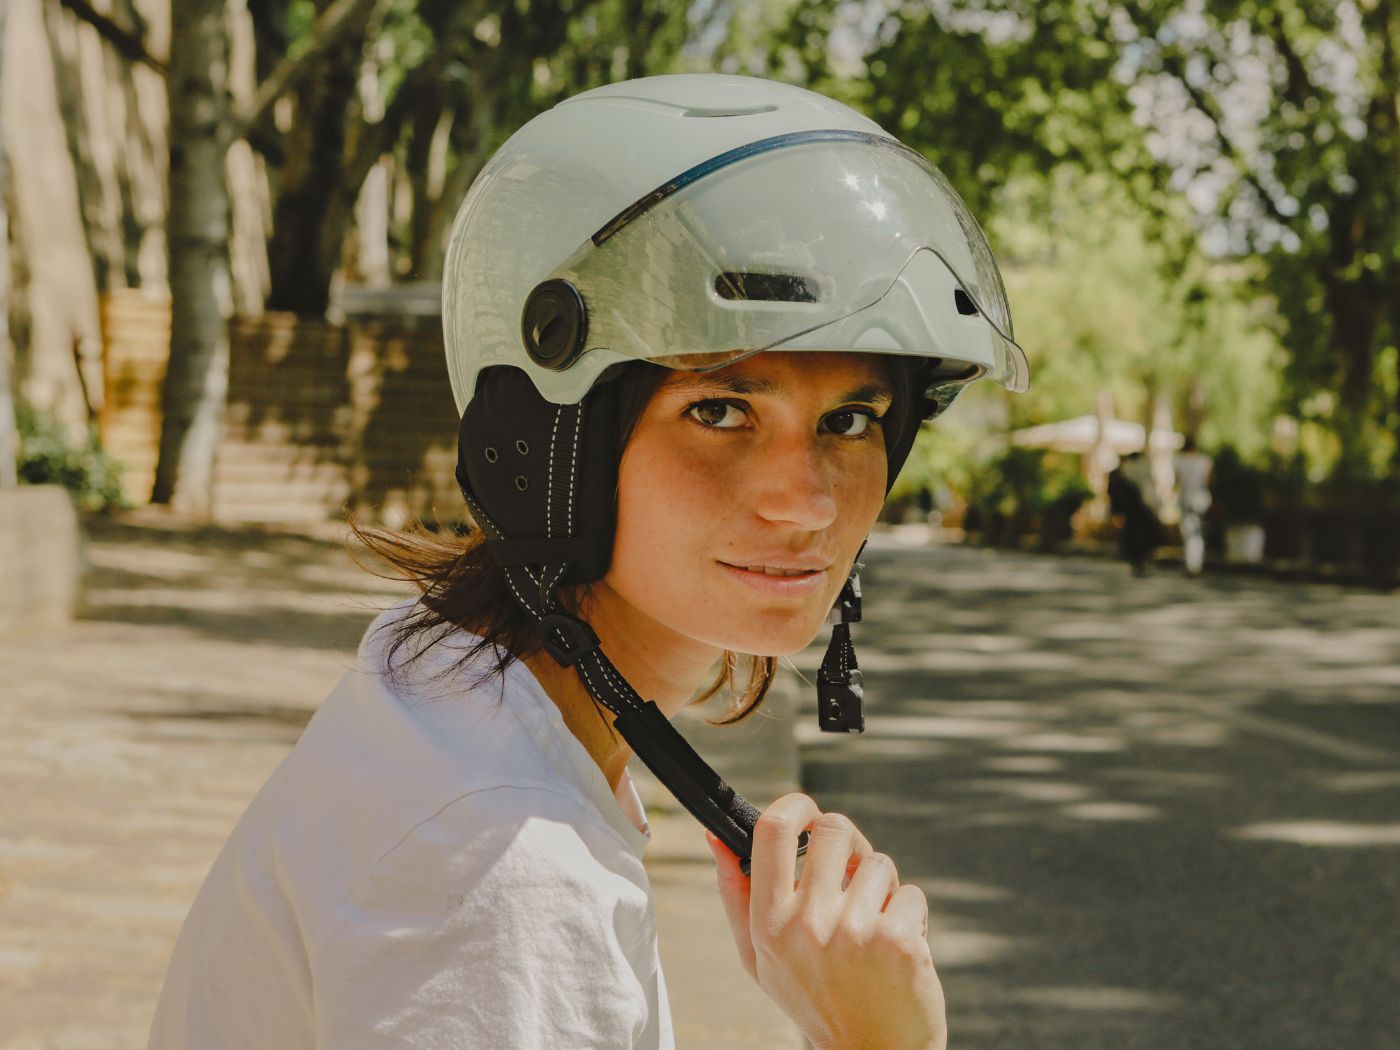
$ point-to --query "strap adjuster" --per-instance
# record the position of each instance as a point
(567, 638)
(839, 705)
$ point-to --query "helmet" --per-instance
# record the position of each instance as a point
(689, 221)
(694, 219)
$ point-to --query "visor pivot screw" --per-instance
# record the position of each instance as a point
(554, 324)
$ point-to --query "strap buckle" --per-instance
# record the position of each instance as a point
(839, 705)
(567, 638)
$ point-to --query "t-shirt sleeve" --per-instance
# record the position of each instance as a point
(508, 920)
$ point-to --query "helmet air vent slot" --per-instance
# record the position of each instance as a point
(728, 111)
(767, 287)
(964, 303)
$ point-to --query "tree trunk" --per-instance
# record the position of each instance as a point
(9, 452)
(1356, 312)
(305, 247)
(59, 296)
(196, 381)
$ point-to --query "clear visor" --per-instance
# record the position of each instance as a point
(770, 243)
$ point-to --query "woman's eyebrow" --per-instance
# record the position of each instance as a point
(874, 392)
(719, 381)
(739, 384)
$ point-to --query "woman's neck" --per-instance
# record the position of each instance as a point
(658, 663)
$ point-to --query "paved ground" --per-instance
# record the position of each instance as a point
(131, 743)
(1150, 814)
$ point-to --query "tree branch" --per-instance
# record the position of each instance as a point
(330, 29)
(1174, 65)
(126, 43)
(1300, 85)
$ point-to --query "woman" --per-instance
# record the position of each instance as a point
(451, 855)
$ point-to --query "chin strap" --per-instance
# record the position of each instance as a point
(660, 746)
(840, 689)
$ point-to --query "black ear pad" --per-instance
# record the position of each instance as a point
(899, 445)
(544, 474)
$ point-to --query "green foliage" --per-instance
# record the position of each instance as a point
(1028, 481)
(49, 455)
(1267, 133)
(1102, 304)
(1023, 491)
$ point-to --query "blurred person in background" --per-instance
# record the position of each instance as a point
(1192, 468)
(1139, 530)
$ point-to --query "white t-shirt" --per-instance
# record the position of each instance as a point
(426, 869)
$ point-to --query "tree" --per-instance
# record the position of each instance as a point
(1277, 121)
(202, 126)
(1292, 111)
(448, 83)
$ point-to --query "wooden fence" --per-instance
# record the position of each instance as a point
(321, 417)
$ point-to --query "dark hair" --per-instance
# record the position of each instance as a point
(462, 585)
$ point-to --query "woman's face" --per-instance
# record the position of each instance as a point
(744, 495)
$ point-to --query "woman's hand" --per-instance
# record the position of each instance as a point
(844, 952)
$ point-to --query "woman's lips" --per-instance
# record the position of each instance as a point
(799, 586)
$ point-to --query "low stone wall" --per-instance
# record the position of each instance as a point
(40, 558)
(321, 418)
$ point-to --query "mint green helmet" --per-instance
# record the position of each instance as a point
(692, 220)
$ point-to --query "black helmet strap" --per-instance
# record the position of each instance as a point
(531, 461)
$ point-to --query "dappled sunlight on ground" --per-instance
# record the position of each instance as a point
(1181, 797)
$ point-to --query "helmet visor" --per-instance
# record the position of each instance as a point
(770, 243)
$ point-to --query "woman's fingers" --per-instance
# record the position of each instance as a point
(836, 848)
(907, 913)
(872, 885)
(775, 852)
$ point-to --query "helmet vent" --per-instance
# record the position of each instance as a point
(767, 287)
(728, 111)
(964, 303)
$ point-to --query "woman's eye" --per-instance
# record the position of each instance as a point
(849, 422)
(721, 415)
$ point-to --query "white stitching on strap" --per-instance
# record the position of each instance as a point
(619, 683)
(510, 582)
(592, 688)
(558, 575)
(549, 483)
(573, 465)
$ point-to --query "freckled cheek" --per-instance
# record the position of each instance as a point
(670, 500)
(860, 492)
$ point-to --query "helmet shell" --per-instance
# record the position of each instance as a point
(571, 170)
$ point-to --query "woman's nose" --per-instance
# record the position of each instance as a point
(795, 484)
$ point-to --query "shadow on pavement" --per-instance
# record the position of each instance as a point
(230, 584)
(1148, 813)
